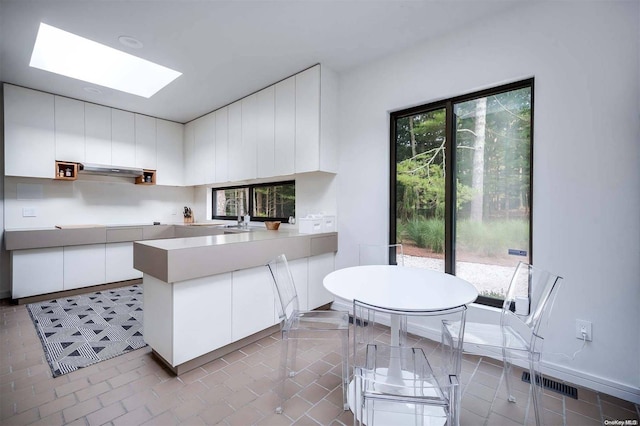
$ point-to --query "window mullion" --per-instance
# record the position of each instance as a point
(450, 191)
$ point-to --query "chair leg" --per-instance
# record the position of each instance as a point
(536, 392)
(507, 375)
(345, 370)
(284, 355)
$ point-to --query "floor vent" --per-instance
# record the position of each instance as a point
(359, 322)
(552, 385)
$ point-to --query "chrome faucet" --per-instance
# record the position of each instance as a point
(237, 202)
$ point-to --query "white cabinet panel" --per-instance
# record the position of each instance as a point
(170, 152)
(266, 132)
(319, 267)
(308, 120)
(285, 127)
(222, 149)
(123, 138)
(196, 302)
(69, 131)
(300, 271)
(204, 149)
(97, 124)
(119, 262)
(252, 302)
(235, 141)
(146, 156)
(36, 271)
(84, 265)
(189, 153)
(28, 133)
(249, 137)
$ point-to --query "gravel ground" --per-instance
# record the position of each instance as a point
(486, 278)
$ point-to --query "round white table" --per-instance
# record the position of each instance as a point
(400, 287)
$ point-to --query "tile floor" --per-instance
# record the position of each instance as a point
(238, 389)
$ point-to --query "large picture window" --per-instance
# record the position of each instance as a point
(265, 201)
(461, 185)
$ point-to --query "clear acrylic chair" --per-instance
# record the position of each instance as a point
(518, 336)
(297, 325)
(376, 254)
(411, 383)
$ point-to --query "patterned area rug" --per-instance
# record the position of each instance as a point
(82, 330)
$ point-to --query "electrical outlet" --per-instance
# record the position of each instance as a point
(583, 326)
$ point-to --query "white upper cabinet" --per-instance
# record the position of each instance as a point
(170, 153)
(146, 156)
(123, 138)
(69, 129)
(28, 133)
(188, 153)
(316, 100)
(235, 141)
(266, 133)
(285, 127)
(97, 125)
(248, 155)
(222, 148)
(204, 149)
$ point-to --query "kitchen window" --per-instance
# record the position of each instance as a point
(461, 174)
(264, 201)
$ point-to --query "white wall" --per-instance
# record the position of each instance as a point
(97, 199)
(586, 227)
(4, 255)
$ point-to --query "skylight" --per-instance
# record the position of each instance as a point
(73, 56)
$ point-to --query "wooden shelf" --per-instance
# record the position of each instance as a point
(66, 170)
(148, 178)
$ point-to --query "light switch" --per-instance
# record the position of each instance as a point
(28, 212)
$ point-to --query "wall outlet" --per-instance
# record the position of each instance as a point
(28, 212)
(584, 327)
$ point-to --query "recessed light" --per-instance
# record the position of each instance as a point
(92, 90)
(130, 42)
(67, 54)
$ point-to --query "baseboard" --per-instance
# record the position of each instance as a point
(559, 372)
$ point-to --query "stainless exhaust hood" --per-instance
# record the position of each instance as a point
(100, 169)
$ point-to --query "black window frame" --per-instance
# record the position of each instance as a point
(251, 188)
(450, 164)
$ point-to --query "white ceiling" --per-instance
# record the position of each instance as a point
(226, 49)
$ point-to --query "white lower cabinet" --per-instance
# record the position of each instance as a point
(36, 271)
(252, 302)
(299, 271)
(319, 267)
(201, 302)
(119, 262)
(84, 266)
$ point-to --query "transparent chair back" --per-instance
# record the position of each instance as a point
(285, 288)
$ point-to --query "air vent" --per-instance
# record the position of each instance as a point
(552, 385)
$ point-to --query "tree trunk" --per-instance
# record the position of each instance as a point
(412, 135)
(477, 178)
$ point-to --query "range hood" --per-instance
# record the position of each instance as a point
(101, 169)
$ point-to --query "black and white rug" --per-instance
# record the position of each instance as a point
(81, 330)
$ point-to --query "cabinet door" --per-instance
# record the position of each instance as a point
(145, 142)
(97, 124)
(69, 133)
(307, 152)
(189, 153)
(285, 127)
(119, 263)
(123, 138)
(266, 132)
(252, 304)
(36, 271)
(319, 267)
(84, 266)
(222, 148)
(249, 137)
(28, 133)
(235, 141)
(300, 271)
(204, 145)
(170, 161)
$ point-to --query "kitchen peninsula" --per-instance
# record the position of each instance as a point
(206, 296)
